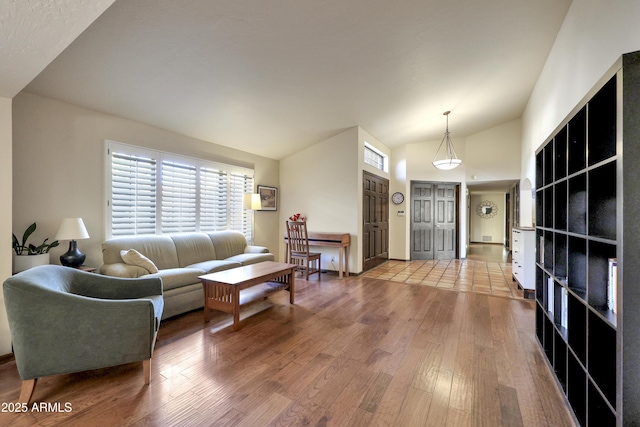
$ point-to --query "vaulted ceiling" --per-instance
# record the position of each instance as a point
(274, 77)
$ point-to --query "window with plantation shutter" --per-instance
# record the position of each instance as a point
(152, 192)
(179, 204)
(133, 194)
(213, 199)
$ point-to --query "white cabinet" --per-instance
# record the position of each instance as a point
(523, 258)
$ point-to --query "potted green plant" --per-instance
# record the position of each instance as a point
(30, 255)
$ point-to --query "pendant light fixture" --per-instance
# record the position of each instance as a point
(446, 160)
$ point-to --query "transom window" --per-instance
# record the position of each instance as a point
(153, 192)
(374, 157)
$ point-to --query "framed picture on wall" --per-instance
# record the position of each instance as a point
(268, 198)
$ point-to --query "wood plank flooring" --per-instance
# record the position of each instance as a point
(361, 351)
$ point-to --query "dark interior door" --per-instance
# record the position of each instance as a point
(445, 222)
(375, 214)
(422, 224)
(434, 220)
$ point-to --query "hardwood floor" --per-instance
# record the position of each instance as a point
(354, 352)
(490, 252)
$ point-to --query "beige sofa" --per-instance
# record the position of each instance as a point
(180, 259)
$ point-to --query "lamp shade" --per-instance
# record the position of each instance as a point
(72, 229)
(252, 201)
(447, 164)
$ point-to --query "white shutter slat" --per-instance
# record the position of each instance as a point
(133, 187)
(213, 199)
(179, 203)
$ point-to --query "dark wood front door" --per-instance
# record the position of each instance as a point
(375, 217)
(434, 220)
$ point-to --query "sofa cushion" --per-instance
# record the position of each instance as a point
(228, 243)
(159, 249)
(133, 257)
(215, 265)
(177, 277)
(193, 248)
(246, 259)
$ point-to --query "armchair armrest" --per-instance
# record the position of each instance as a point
(253, 249)
(115, 288)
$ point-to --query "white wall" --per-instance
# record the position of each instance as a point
(398, 224)
(494, 154)
(321, 183)
(58, 168)
(5, 215)
(492, 227)
(593, 36)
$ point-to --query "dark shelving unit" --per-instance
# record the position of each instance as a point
(586, 206)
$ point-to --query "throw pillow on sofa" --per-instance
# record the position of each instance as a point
(133, 257)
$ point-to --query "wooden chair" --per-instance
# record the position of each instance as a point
(308, 262)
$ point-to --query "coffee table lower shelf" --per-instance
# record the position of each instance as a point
(227, 290)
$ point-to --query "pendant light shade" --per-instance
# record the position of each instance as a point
(446, 159)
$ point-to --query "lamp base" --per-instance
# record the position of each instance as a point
(73, 257)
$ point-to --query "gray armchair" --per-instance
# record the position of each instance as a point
(64, 320)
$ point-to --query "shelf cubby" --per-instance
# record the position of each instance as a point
(548, 207)
(560, 360)
(540, 322)
(577, 265)
(599, 255)
(539, 284)
(560, 257)
(577, 327)
(601, 126)
(560, 205)
(577, 388)
(599, 414)
(602, 201)
(540, 170)
(577, 217)
(548, 164)
(548, 250)
(560, 147)
(548, 338)
(602, 356)
(540, 206)
(577, 143)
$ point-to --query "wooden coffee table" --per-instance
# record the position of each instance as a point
(227, 290)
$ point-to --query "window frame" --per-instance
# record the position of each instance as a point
(243, 220)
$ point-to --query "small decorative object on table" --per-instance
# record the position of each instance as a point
(72, 229)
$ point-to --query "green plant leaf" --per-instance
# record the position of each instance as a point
(28, 232)
(31, 249)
